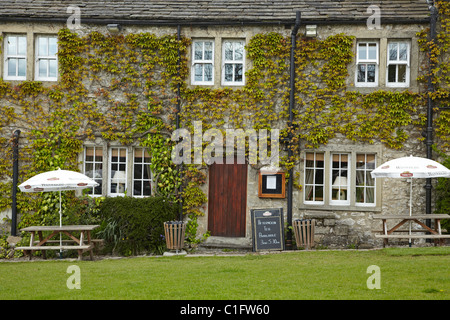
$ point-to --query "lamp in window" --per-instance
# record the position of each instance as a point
(340, 184)
(120, 178)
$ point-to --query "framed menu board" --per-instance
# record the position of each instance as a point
(271, 185)
(267, 229)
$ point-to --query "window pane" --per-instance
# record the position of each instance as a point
(391, 73)
(402, 73)
(309, 195)
(198, 51)
(12, 65)
(208, 50)
(393, 51)
(369, 180)
(147, 188)
(362, 51)
(403, 52)
(372, 51)
(361, 73)
(52, 46)
(43, 46)
(371, 72)
(239, 51)
(12, 45)
(208, 72)
(238, 73)
(22, 49)
(43, 68)
(22, 68)
(52, 68)
(228, 72)
(228, 51)
(198, 72)
(137, 187)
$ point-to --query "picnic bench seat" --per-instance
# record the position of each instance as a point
(78, 242)
(80, 249)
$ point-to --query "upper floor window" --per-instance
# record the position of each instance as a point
(203, 62)
(15, 66)
(397, 73)
(46, 61)
(367, 61)
(233, 62)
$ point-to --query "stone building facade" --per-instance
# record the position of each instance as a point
(386, 58)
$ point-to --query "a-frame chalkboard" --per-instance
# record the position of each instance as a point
(267, 229)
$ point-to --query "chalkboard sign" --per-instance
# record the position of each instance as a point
(267, 229)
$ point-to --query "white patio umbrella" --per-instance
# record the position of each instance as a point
(411, 167)
(57, 180)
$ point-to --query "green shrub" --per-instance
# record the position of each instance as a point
(135, 225)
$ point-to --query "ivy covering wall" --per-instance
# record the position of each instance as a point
(125, 88)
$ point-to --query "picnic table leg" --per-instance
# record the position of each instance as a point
(385, 240)
(89, 243)
(80, 254)
(44, 254)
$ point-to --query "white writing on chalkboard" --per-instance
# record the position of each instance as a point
(266, 222)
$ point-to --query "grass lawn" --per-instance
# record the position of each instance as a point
(406, 273)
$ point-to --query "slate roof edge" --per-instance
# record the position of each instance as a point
(186, 22)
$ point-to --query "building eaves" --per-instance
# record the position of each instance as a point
(185, 12)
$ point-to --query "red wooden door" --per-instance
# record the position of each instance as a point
(227, 199)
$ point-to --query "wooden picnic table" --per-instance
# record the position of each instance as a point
(435, 234)
(81, 244)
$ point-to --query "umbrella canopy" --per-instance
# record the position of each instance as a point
(411, 167)
(57, 180)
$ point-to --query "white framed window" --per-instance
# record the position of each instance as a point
(118, 170)
(203, 62)
(365, 184)
(15, 66)
(121, 171)
(93, 165)
(46, 66)
(340, 177)
(367, 63)
(314, 178)
(142, 174)
(334, 179)
(398, 56)
(233, 56)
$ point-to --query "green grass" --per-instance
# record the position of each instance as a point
(409, 273)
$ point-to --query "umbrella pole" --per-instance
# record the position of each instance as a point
(60, 225)
(410, 209)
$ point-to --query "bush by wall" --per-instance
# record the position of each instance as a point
(132, 226)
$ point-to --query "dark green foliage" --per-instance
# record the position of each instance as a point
(443, 195)
(135, 225)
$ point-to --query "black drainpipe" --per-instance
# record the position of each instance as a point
(15, 145)
(290, 126)
(180, 167)
(429, 129)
